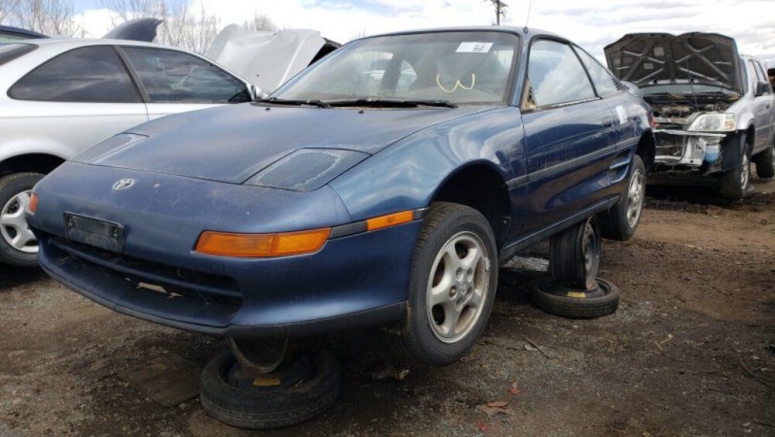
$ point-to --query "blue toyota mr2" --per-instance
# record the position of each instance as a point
(382, 186)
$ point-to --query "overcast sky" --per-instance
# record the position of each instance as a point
(590, 23)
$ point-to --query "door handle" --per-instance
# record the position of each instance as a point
(608, 122)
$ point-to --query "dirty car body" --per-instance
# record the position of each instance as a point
(704, 97)
(348, 171)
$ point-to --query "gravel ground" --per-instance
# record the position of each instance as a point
(691, 350)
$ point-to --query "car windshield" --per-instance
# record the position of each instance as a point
(451, 67)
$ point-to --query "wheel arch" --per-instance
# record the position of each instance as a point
(479, 185)
(647, 149)
(30, 162)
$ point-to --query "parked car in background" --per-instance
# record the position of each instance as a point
(61, 96)
(335, 203)
(714, 109)
(13, 34)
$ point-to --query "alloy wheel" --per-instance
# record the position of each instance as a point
(13, 225)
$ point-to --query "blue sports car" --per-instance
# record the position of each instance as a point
(382, 186)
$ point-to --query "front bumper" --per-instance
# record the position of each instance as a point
(358, 278)
(678, 149)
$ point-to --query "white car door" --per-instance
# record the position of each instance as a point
(174, 81)
(72, 102)
(762, 107)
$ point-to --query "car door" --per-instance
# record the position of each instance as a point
(174, 81)
(75, 100)
(762, 106)
(569, 134)
(769, 99)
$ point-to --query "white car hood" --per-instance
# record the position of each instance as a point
(265, 59)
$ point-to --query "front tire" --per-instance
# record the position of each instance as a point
(765, 163)
(18, 245)
(622, 220)
(451, 288)
(735, 182)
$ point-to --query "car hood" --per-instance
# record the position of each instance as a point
(232, 143)
(268, 59)
(661, 58)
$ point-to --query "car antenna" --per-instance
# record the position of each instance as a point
(527, 19)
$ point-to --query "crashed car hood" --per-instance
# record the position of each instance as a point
(232, 143)
(266, 59)
(661, 58)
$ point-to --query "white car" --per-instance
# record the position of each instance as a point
(714, 109)
(58, 97)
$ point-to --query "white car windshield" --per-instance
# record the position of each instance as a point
(454, 67)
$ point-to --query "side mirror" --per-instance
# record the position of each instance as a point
(761, 89)
(256, 93)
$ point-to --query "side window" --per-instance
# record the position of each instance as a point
(89, 74)
(605, 84)
(556, 76)
(173, 77)
(762, 75)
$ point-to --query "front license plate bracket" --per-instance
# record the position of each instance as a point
(95, 232)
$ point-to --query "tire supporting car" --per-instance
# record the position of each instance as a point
(575, 291)
(622, 220)
(300, 387)
(734, 184)
(765, 163)
(452, 286)
(18, 245)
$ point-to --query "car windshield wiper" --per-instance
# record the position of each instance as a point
(392, 103)
(275, 100)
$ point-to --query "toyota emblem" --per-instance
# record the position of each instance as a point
(123, 184)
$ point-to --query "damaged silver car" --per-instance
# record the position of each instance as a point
(713, 108)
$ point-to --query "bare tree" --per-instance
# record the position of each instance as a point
(500, 10)
(183, 25)
(51, 17)
(260, 22)
(6, 9)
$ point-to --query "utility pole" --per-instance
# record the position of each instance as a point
(500, 10)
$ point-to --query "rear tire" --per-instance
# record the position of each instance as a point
(765, 163)
(735, 182)
(18, 245)
(451, 288)
(574, 255)
(622, 220)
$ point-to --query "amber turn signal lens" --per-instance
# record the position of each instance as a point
(33, 203)
(386, 221)
(262, 245)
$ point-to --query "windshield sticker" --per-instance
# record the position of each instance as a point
(474, 47)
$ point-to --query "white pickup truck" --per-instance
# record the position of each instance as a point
(714, 109)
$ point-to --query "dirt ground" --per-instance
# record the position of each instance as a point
(691, 350)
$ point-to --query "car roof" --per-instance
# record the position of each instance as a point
(19, 31)
(70, 43)
(527, 32)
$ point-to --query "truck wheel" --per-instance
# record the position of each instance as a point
(572, 303)
(296, 392)
(621, 221)
(765, 163)
(451, 287)
(734, 183)
(18, 245)
(574, 255)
